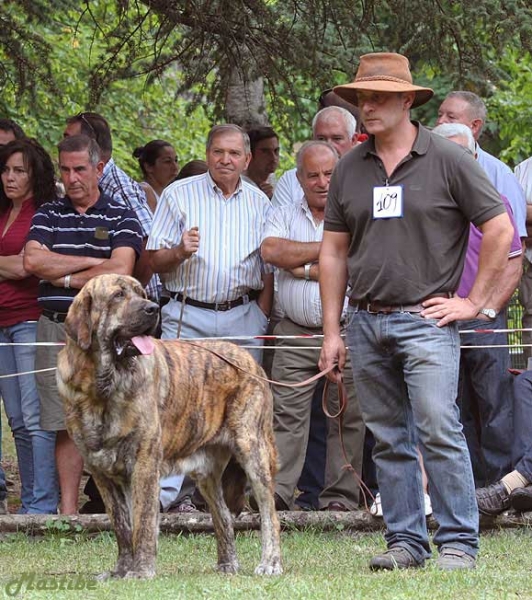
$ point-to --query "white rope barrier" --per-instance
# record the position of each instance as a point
(270, 348)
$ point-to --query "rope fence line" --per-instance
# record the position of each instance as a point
(276, 337)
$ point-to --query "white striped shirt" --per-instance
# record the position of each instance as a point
(288, 190)
(298, 298)
(227, 264)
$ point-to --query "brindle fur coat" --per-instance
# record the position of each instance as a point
(139, 408)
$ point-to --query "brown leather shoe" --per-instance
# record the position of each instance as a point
(336, 507)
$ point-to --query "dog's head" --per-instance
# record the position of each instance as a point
(112, 314)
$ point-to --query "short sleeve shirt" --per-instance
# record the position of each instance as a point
(405, 259)
(103, 228)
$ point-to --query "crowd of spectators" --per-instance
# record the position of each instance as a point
(230, 247)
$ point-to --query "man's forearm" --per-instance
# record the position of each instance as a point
(288, 254)
(506, 285)
(49, 265)
(333, 279)
(166, 259)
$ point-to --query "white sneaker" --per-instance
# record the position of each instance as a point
(428, 505)
(376, 507)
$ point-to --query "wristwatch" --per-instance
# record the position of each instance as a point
(491, 313)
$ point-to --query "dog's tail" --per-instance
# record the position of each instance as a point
(234, 487)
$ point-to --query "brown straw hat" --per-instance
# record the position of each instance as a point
(383, 72)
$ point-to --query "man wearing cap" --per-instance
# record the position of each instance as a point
(396, 228)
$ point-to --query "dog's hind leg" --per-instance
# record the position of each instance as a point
(259, 465)
(116, 503)
(210, 485)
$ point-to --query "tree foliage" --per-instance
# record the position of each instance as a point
(296, 47)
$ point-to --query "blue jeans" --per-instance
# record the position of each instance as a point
(405, 370)
(485, 398)
(522, 448)
(35, 448)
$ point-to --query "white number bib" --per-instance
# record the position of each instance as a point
(387, 202)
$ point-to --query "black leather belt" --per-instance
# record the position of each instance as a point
(220, 306)
(378, 307)
(56, 317)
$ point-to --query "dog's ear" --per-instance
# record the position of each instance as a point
(78, 323)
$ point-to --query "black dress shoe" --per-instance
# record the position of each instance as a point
(521, 499)
(493, 500)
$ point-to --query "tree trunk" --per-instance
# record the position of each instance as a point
(245, 103)
(357, 520)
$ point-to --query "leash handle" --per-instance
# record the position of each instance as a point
(184, 299)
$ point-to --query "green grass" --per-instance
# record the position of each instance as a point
(317, 566)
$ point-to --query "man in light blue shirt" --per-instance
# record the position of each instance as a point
(469, 109)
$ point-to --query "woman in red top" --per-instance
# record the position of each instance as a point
(27, 175)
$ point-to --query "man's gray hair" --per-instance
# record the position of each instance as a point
(326, 113)
(81, 143)
(476, 104)
(448, 130)
(228, 128)
(307, 146)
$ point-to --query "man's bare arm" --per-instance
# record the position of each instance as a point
(506, 284)
(121, 262)
(333, 284)
(497, 235)
(167, 259)
(48, 265)
(287, 254)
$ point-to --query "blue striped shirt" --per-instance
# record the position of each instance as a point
(126, 191)
(228, 263)
(61, 228)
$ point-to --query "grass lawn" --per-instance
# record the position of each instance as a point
(317, 566)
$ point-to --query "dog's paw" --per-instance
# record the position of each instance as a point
(140, 574)
(109, 575)
(273, 569)
(230, 568)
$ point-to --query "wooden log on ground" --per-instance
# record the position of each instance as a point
(202, 523)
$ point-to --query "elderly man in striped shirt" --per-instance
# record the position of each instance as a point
(205, 245)
(292, 241)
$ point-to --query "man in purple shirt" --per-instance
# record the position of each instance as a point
(485, 392)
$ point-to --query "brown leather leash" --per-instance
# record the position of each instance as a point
(342, 404)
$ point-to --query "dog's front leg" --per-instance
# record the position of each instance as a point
(117, 500)
(145, 512)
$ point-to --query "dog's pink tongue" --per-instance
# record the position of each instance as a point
(143, 343)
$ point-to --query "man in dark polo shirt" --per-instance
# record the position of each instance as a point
(396, 227)
(72, 240)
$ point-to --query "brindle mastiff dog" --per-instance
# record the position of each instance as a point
(139, 408)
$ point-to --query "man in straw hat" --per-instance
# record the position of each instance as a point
(396, 230)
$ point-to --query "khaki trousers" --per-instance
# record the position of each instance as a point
(292, 421)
